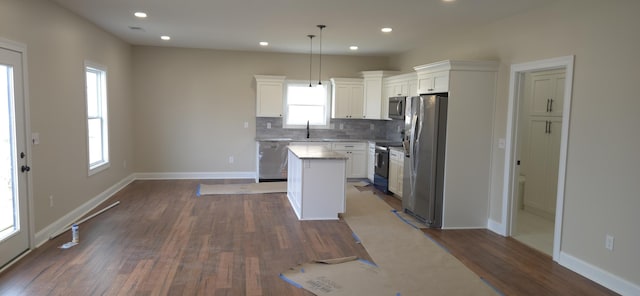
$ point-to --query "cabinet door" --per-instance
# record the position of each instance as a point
(373, 98)
(553, 162)
(342, 101)
(547, 93)
(357, 102)
(400, 179)
(393, 176)
(541, 164)
(359, 164)
(441, 81)
(412, 87)
(433, 82)
(535, 165)
(269, 99)
(371, 162)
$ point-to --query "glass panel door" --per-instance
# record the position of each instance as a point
(14, 234)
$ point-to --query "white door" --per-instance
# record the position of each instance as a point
(14, 230)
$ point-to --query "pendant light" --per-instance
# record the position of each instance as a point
(320, 54)
(310, 55)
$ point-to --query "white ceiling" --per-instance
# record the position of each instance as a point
(285, 24)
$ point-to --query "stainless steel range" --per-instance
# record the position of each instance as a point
(381, 165)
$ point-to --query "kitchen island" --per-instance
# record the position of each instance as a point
(316, 182)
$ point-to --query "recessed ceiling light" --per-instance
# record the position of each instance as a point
(353, 47)
(386, 30)
(264, 43)
(165, 38)
(140, 14)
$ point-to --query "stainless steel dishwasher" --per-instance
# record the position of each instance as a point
(272, 161)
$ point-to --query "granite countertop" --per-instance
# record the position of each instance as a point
(315, 140)
(315, 152)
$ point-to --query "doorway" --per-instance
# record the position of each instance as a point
(14, 190)
(536, 152)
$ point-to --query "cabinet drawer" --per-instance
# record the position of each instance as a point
(349, 146)
(316, 144)
(397, 155)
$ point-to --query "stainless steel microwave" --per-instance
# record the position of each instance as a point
(396, 107)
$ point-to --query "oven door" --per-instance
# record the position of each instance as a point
(382, 162)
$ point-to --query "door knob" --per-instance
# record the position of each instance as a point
(25, 168)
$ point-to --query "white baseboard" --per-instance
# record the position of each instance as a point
(497, 227)
(43, 235)
(598, 275)
(195, 175)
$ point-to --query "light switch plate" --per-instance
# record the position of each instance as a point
(35, 138)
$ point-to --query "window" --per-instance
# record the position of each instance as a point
(97, 124)
(304, 103)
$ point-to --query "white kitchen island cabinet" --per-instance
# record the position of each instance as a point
(316, 182)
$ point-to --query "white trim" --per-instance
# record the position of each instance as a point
(497, 227)
(328, 86)
(598, 275)
(43, 235)
(511, 142)
(195, 175)
(93, 169)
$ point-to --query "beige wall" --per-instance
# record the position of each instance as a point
(191, 104)
(57, 44)
(603, 177)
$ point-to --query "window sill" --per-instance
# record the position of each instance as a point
(98, 168)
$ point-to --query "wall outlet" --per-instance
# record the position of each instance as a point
(231, 159)
(246, 124)
(268, 124)
(342, 126)
(608, 242)
(51, 201)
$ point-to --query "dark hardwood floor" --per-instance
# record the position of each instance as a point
(164, 240)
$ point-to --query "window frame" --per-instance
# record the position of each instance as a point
(327, 112)
(103, 112)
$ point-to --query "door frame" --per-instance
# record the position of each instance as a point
(22, 49)
(516, 82)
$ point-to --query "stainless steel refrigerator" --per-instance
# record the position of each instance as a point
(424, 144)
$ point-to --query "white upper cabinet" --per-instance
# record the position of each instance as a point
(436, 82)
(547, 93)
(374, 94)
(348, 98)
(269, 95)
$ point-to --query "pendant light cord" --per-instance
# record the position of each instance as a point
(310, 55)
(320, 53)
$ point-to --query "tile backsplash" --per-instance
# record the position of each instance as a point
(359, 129)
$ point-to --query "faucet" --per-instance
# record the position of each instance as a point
(307, 129)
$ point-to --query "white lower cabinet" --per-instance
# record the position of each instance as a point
(371, 155)
(316, 187)
(356, 152)
(396, 171)
(541, 165)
